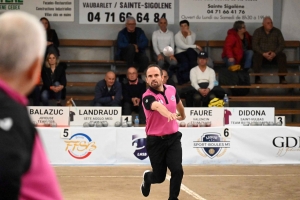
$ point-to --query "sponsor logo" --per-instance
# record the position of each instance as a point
(139, 146)
(173, 98)
(286, 145)
(6, 124)
(80, 146)
(10, 4)
(212, 144)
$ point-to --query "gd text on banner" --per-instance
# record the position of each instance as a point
(116, 12)
(225, 10)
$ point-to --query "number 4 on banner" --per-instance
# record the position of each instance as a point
(65, 133)
(226, 133)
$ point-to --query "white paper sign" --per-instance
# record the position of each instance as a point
(92, 115)
(197, 115)
(58, 10)
(239, 116)
(280, 119)
(116, 12)
(48, 115)
(225, 10)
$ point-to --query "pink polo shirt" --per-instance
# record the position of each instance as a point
(156, 124)
(39, 181)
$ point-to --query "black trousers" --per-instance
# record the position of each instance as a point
(188, 57)
(279, 59)
(130, 56)
(165, 153)
(194, 99)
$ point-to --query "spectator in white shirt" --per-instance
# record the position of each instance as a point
(185, 39)
(202, 80)
(160, 39)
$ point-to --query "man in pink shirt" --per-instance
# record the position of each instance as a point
(160, 103)
(25, 172)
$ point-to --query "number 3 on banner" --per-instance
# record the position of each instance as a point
(226, 133)
(65, 133)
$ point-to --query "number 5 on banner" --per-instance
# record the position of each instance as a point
(226, 133)
(65, 133)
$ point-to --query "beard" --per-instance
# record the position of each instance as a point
(155, 84)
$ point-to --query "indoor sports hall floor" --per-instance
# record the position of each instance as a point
(217, 182)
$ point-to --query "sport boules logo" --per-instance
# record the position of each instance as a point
(212, 144)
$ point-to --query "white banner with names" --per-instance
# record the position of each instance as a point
(196, 116)
(235, 116)
(92, 115)
(49, 116)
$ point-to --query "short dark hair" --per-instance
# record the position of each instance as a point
(154, 65)
(238, 25)
(184, 22)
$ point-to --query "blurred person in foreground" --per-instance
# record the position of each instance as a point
(25, 172)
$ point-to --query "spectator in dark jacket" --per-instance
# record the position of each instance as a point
(237, 47)
(54, 80)
(268, 46)
(52, 39)
(133, 90)
(167, 80)
(132, 43)
(108, 92)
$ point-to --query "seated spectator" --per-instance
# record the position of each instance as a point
(166, 79)
(268, 45)
(237, 47)
(52, 39)
(132, 43)
(54, 80)
(160, 39)
(202, 78)
(132, 91)
(35, 94)
(108, 92)
(186, 51)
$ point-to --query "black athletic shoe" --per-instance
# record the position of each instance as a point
(145, 187)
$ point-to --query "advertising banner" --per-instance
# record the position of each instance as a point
(225, 10)
(58, 10)
(210, 145)
(84, 146)
(116, 12)
(131, 147)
